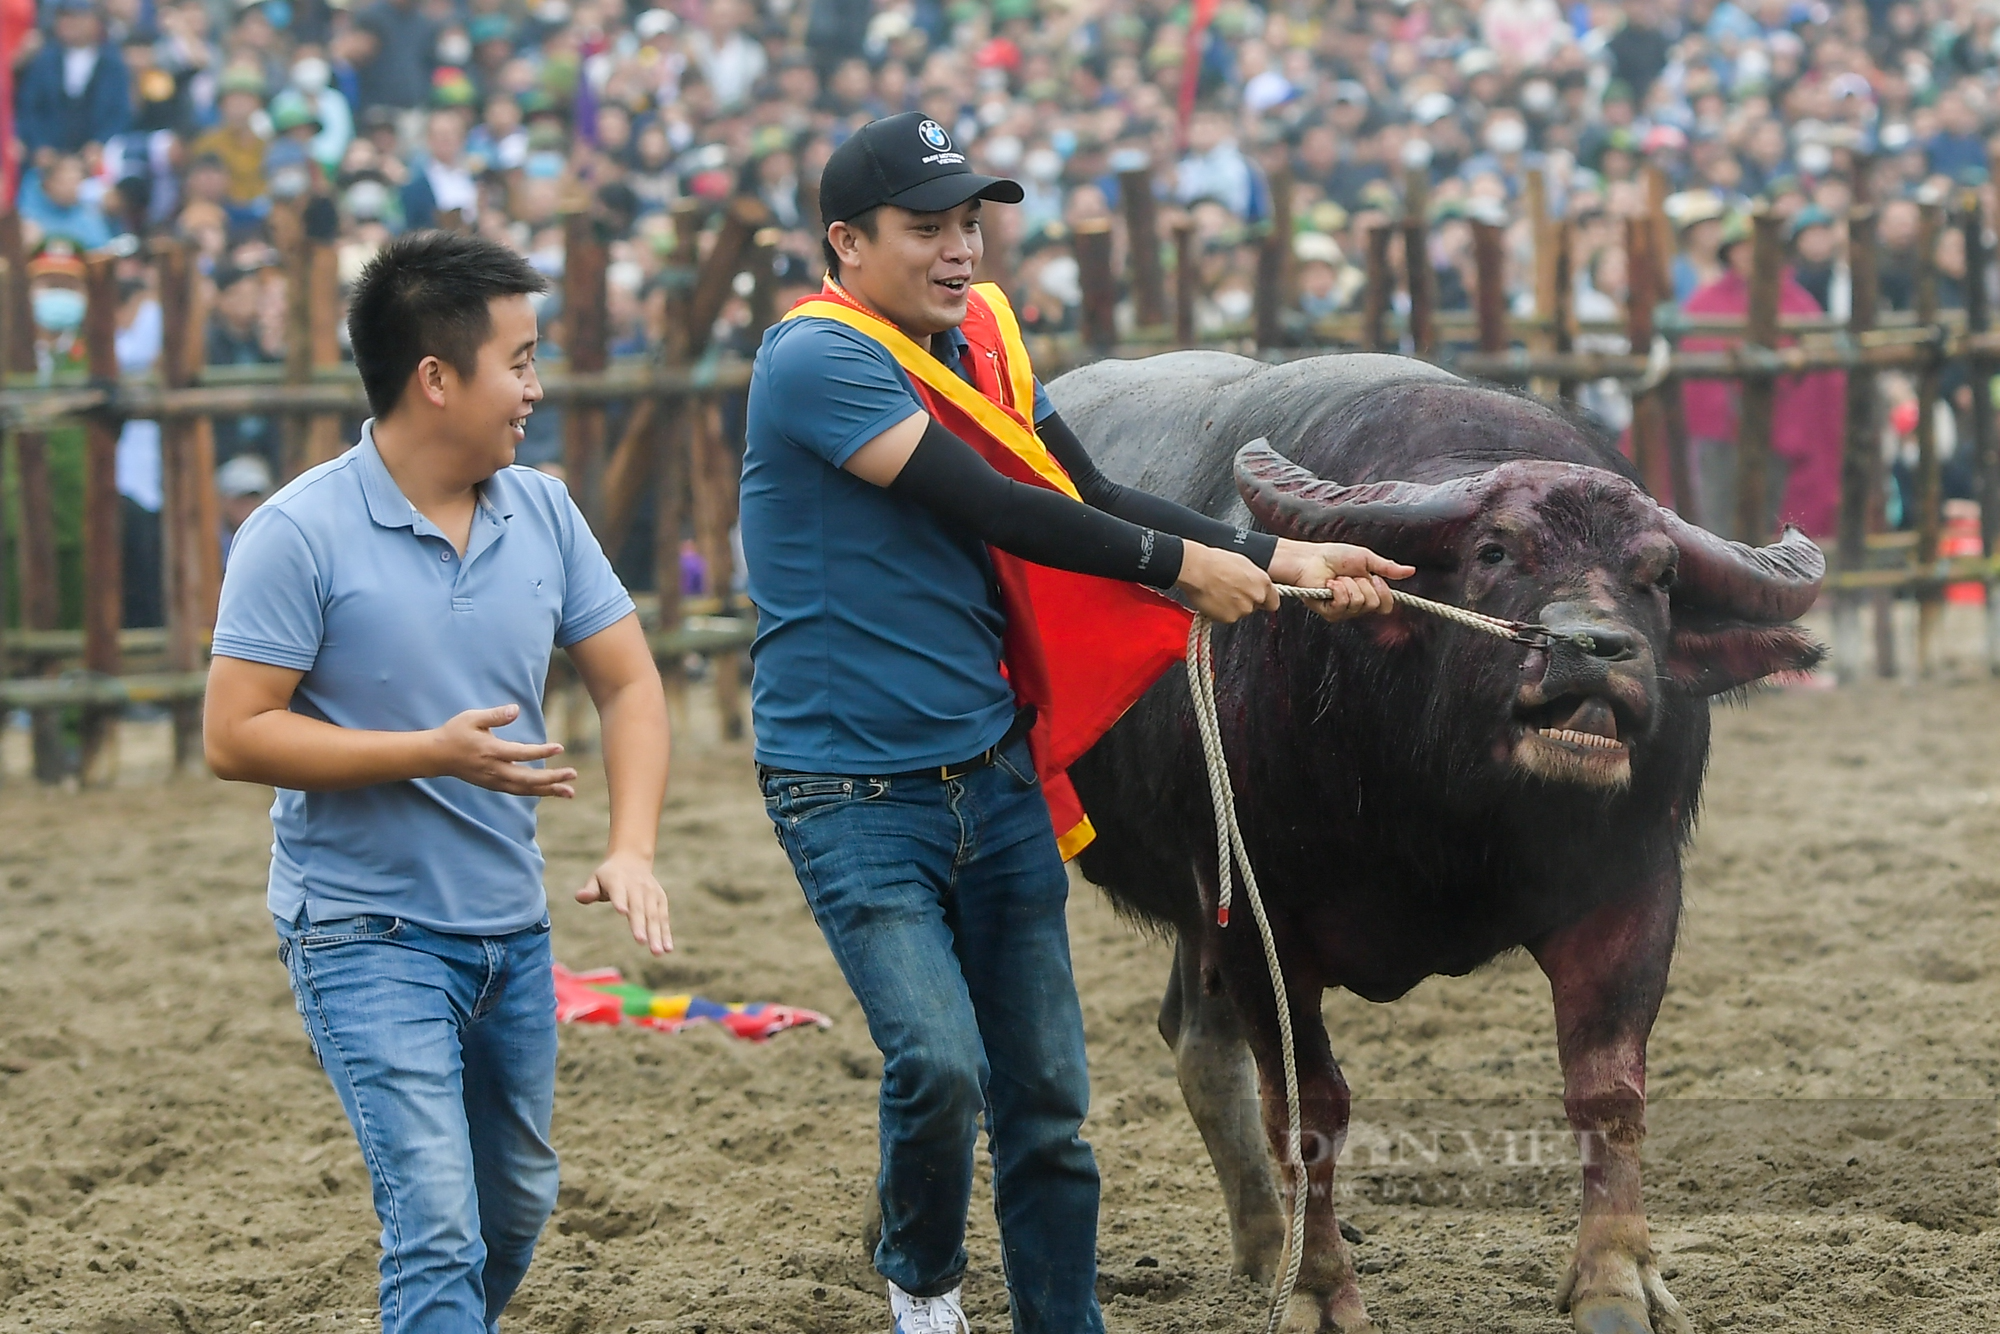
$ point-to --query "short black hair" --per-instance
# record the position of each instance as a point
(426, 294)
(863, 222)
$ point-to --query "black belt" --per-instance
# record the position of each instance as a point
(1024, 721)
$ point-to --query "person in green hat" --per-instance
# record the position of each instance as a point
(290, 170)
(240, 96)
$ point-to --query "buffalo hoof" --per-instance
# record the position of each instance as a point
(1315, 1313)
(1653, 1311)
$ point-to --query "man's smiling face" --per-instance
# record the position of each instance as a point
(917, 267)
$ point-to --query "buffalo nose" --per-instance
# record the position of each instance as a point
(1598, 641)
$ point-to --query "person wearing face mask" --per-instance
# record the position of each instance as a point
(1041, 188)
(312, 76)
(290, 171)
(1504, 140)
(55, 295)
(454, 48)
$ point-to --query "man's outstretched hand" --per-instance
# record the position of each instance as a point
(466, 748)
(626, 882)
(1355, 575)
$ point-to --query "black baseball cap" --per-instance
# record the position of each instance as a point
(909, 161)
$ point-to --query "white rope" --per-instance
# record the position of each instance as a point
(1231, 853)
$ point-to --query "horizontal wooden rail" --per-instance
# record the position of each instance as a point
(706, 636)
(41, 409)
(69, 643)
(84, 690)
(1908, 579)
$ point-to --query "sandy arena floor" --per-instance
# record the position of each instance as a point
(1824, 1075)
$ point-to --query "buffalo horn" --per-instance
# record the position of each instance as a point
(1396, 517)
(1770, 585)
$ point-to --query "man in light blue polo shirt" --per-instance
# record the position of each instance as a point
(384, 635)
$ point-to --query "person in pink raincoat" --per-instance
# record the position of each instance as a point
(1808, 413)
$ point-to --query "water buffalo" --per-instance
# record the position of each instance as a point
(1418, 798)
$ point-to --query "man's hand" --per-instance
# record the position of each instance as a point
(1354, 574)
(626, 882)
(1223, 585)
(466, 748)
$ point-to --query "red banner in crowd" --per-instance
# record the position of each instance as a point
(1198, 21)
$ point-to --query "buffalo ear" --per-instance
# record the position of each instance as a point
(1722, 656)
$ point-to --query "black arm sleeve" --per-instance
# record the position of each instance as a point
(1148, 511)
(947, 477)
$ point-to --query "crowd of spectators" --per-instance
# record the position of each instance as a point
(199, 118)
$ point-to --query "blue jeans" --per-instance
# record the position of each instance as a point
(943, 904)
(443, 1051)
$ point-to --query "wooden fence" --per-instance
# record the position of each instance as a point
(671, 445)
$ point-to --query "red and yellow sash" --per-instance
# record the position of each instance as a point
(1080, 649)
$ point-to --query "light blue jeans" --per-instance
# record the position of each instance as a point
(443, 1051)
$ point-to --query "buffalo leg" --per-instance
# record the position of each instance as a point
(1328, 1295)
(1219, 1084)
(1607, 974)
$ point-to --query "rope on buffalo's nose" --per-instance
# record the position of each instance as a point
(1231, 853)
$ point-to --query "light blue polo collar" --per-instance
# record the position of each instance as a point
(390, 508)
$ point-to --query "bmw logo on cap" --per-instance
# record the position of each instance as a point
(933, 134)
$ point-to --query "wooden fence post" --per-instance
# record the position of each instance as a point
(670, 441)
(190, 526)
(1274, 264)
(1142, 242)
(1535, 204)
(713, 471)
(1673, 408)
(1489, 257)
(1929, 498)
(1860, 459)
(1979, 371)
(1417, 261)
(35, 542)
(1092, 244)
(1753, 427)
(584, 345)
(1187, 284)
(1562, 298)
(18, 313)
(103, 565)
(711, 467)
(289, 234)
(324, 442)
(692, 307)
(1641, 296)
(763, 279)
(1375, 296)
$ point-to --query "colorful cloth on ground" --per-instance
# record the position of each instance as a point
(1808, 412)
(1079, 649)
(603, 996)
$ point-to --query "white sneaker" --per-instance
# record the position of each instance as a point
(927, 1315)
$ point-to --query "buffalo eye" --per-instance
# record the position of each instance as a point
(1492, 554)
(1667, 578)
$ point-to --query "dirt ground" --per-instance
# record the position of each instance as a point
(1823, 1076)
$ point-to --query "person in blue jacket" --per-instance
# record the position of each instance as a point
(75, 94)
